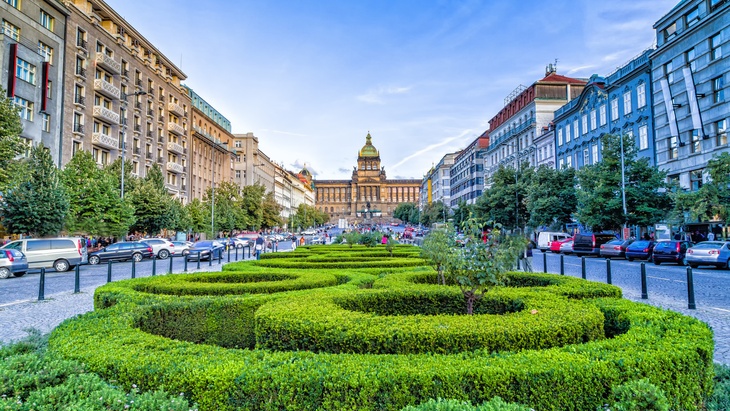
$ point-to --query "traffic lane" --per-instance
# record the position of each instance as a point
(669, 280)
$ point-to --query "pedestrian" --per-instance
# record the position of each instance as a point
(259, 246)
(710, 236)
(527, 261)
(385, 240)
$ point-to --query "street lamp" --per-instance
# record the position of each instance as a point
(124, 138)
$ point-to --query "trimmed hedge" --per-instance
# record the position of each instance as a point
(671, 351)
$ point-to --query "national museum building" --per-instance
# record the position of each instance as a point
(369, 197)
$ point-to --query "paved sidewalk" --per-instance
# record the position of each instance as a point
(45, 315)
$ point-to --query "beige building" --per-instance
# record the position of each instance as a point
(252, 165)
(369, 197)
(121, 92)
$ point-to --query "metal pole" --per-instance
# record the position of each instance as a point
(544, 262)
(583, 267)
(644, 294)
(77, 279)
(562, 265)
(229, 254)
(154, 265)
(608, 271)
(210, 259)
(124, 149)
(690, 290)
(220, 257)
(109, 271)
(42, 286)
(623, 184)
(185, 263)
(198, 260)
(237, 253)
(134, 268)
(170, 269)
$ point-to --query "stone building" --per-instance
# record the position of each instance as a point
(368, 197)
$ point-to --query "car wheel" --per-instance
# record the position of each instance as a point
(163, 254)
(631, 258)
(61, 266)
(186, 252)
(657, 262)
(726, 266)
(137, 257)
(694, 265)
(19, 274)
(682, 261)
(94, 260)
(4, 273)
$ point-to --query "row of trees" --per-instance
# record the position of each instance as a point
(40, 200)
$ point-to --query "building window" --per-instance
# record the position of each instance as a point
(721, 130)
(643, 137)
(576, 129)
(78, 94)
(47, 20)
(594, 121)
(586, 157)
(569, 161)
(49, 89)
(670, 31)
(614, 109)
(14, 3)
(715, 48)
(25, 71)
(80, 37)
(46, 51)
(602, 114)
(46, 122)
(673, 149)
(627, 102)
(11, 31)
(561, 164)
(594, 153)
(75, 148)
(689, 58)
(585, 124)
(238, 173)
(692, 17)
(78, 123)
(669, 72)
(25, 106)
(718, 89)
(641, 95)
(567, 132)
(695, 180)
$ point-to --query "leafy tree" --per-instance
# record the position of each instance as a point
(551, 199)
(482, 264)
(434, 212)
(95, 206)
(711, 201)
(462, 213)
(599, 194)
(198, 214)
(436, 248)
(36, 202)
(252, 205)
(11, 144)
(505, 202)
(405, 212)
(307, 216)
(352, 238)
(230, 213)
(151, 203)
(130, 180)
(271, 212)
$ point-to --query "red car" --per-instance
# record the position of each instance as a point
(555, 245)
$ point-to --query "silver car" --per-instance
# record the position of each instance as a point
(714, 253)
(161, 247)
(12, 262)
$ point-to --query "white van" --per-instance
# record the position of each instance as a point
(546, 237)
(58, 253)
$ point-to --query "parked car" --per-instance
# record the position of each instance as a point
(317, 240)
(566, 247)
(122, 251)
(546, 238)
(590, 243)
(615, 248)
(555, 245)
(205, 250)
(61, 254)
(161, 247)
(12, 262)
(182, 247)
(671, 252)
(640, 249)
(714, 253)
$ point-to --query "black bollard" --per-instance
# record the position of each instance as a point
(690, 290)
(562, 264)
(608, 271)
(236, 253)
(644, 294)
(220, 257)
(185, 263)
(42, 287)
(198, 260)
(154, 265)
(109, 271)
(544, 262)
(134, 268)
(229, 254)
(210, 259)
(583, 267)
(77, 279)
(169, 271)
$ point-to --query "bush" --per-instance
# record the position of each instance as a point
(496, 404)
(639, 395)
(720, 399)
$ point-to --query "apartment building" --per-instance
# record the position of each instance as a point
(252, 165)
(436, 185)
(33, 55)
(467, 173)
(123, 97)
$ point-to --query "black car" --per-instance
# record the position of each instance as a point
(673, 251)
(590, 243)
(640, 249)
(205, 250)
(121, 251)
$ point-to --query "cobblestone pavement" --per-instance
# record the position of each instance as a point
(16, 318)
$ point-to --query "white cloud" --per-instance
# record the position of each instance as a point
(433, 147)
(377, 96)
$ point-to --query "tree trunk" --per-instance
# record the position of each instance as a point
(470, 303)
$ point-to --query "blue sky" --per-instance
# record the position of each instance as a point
(311, 78)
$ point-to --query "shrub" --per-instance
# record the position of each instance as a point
(495, 404)
(639, 395)
(720, 399)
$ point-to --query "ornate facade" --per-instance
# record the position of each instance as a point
(369, 197)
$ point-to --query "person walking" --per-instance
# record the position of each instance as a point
(527, 261)
(259, 246)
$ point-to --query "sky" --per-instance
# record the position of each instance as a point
(311, 78)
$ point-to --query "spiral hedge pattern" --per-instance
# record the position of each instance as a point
(327, 332)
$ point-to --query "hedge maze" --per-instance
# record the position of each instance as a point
(340, 328)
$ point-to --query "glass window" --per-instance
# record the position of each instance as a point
(692, 17)
(715, 48)
(641, 95)
(627, 102)
(38, 245)
(602, 114)
(569, 161)
(560, 137)
(594, 121)
(46, 122)
(670, 31)
(25, 71)
(586, 157)
(47, 20)
(695, 180)
(718, 89)
(25, 106)
(673, 149)
(643, 137)
(695, 141)
(689, 58)
(14, 3)
(11, 31)
(576, 130)
(585, 124)
(46, 51)
(614, 109)
(594, 153)
(721, 130)
(669, 71)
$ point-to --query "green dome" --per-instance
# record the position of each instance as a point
(368, 150)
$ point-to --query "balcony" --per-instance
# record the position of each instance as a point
(161, 119)
(79, 128)
(81, 72)
(82, 44)
(175, 147)
(149, 133)
(107, 89)
(174, 167)
(176, 128)
(149, 156)
(150, 112)
(137, 151)
(160, 160)
(80, 100)
(176, 109)
(108, 63)
(105, 141)
(104, 113)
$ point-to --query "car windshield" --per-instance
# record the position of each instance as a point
(708, 245)
(203, 244)
(615, 242)
(640, 244)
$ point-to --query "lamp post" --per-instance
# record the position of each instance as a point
(124, 140)
(623, 186)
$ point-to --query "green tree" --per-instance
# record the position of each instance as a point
(11, 144)
(505, 202)
(36, 201)
(462, 213)
(199, 215)
(711, 201)
(252, 205)
(95, 206)
(404, 212)
(480, 265)
(551, 199)
(436, 248)
(271, 212)
(434, 212)
(151, 203)
(229, 208)
(599, 189)
(307, 216)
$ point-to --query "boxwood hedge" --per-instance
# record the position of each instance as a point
(306, 349)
